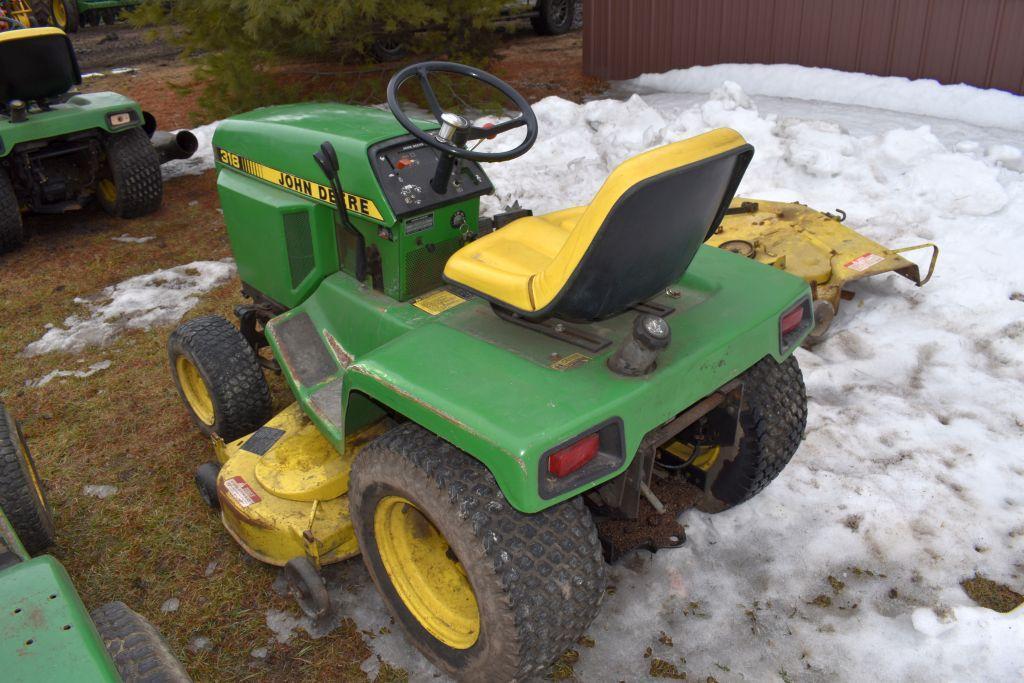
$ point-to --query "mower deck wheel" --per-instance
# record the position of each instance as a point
(12, 231)
(218, 377)
(484, 591)
(307, 586)
(140, 653)
(206, 483)
(132, 185)
(772, 418)
(21, 493)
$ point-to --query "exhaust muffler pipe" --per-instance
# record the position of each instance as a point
(180, 144)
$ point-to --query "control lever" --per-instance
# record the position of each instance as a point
(327, 160)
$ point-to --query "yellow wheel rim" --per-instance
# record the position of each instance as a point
(194, 388)
(108, 190)
(705, 457)
(425, 573)
(59, 15)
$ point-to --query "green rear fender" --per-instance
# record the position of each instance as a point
(500, 401)
(81, 112)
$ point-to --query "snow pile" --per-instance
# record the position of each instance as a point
(198, 163)
(139, 303)
(128, 239)
(924, 96)
(911, 475)
(81, 374)
(100, 491)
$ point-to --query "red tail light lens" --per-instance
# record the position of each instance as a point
(566, 461)
(791, 319)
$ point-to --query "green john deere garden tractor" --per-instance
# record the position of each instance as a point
(70, 15)
(486, 408)
(60, 149)
(46, 633)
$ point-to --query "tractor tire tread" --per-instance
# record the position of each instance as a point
(773, 418)
(140, 653)
(135, 170)
(27, 513)
(548, 565)
(240, 393)
(12, 230)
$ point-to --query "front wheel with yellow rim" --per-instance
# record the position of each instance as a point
(484, 591)
(64, 14)
(218, 377)
(21, 492)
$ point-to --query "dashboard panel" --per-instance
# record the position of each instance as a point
(404, 167)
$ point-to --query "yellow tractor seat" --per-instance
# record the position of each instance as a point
(638, 235)
(36, 64)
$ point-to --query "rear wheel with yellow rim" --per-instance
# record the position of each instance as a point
(21, 493)
(218, 378)
(484, 591)
(772, 418)
(131, 184)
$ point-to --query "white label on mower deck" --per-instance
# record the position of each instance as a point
(862, 263)
(241, 492)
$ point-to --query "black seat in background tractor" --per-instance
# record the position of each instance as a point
(637, 236)
(36, 64)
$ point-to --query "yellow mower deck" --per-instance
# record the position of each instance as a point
(812, 245)
(283, 491)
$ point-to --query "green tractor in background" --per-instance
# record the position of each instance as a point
(70, 15)
(46, 633)
(486, 408)
(61, 149)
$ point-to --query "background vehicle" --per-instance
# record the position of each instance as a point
(60, 149)
(70, 15)
(46, 634)
(472, 393)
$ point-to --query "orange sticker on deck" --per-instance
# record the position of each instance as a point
(240, 491)
(863, 262)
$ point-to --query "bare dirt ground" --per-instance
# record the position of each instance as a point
(154, 540)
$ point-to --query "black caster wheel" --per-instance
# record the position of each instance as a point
(307, 587)
(206, 482)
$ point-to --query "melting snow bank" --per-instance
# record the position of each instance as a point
(158, 298)
(81, 374)
(911, 477)
(199, 162)
(128, 239)
(927, 97)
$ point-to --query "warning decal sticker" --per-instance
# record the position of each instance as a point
(438, 302)
(241, 492)
(863, 262)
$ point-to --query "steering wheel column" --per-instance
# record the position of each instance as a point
(456, 131)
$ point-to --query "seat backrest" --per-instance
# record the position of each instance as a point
(644, 226)
(36, 64)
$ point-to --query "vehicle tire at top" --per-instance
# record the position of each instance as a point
(140, 653)
(131, 185)
(773, 417)
(12, 230)
(64, 15)
(554, 17)
(218, 378)
(21, 493)
(484, 591)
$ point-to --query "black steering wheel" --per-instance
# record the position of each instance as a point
(462, 132)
